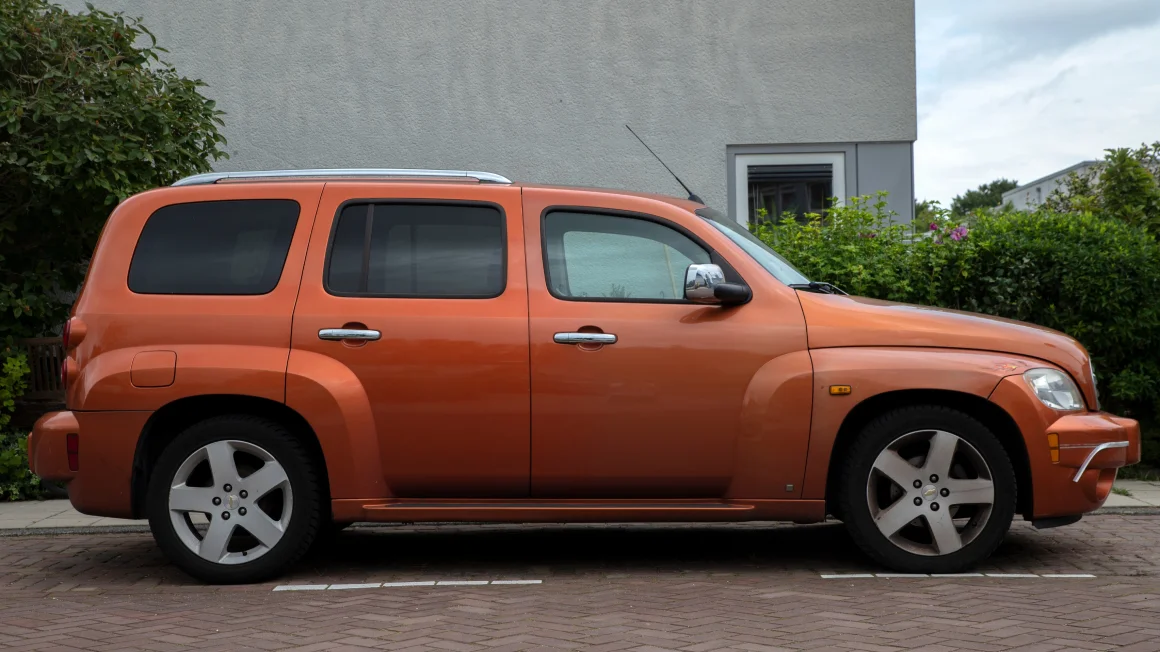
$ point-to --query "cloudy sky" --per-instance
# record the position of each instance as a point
(1022, 88)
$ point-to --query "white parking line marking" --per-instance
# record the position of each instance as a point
(375, 585)
(848, 576)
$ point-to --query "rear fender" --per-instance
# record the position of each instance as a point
(106, 381)
(333, 401)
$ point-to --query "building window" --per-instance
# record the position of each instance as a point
(775, 186)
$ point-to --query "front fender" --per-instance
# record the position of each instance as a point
(333, 401)
(774, 430)
(873, 371)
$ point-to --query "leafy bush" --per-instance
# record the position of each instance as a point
(16, 481)
(1124, 186)
(1094, 278)
(87, 118)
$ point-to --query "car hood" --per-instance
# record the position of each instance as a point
(840, 321)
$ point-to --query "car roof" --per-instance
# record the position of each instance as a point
(397, 175)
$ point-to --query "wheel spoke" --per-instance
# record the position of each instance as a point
(942, 530)
(264, 528)
(970, 492)
(894, 518)
(264, 480)
(942, 451)
(216, 540)
(895, 467)
(221, 462)
(191, 499)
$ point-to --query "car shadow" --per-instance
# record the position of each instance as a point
(132, 561)
(493, 550)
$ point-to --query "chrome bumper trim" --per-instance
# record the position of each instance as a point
(1096, 451)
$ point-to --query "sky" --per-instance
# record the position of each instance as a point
(1023, 88)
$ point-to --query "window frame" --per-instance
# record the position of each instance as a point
(742, 161)
(503, 227)
(715, 257)
(281, 272)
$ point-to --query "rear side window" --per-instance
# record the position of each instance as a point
(216, 247)
(418, 250)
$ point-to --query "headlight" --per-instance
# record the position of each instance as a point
(1095, 385)
(1054, 388)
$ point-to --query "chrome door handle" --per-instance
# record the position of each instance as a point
(584, 338)
(349, 334)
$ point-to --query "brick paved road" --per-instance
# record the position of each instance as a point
(644, 588)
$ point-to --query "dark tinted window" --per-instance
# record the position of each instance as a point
(418, 250)
(215, 247)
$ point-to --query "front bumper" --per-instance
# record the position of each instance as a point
(1075, 475)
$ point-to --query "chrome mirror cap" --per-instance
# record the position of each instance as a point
(700, 281)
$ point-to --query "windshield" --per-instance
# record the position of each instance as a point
(758, 250)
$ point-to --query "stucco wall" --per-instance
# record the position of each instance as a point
(539, 91)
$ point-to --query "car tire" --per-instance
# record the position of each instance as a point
(933, 463)
(223, 477)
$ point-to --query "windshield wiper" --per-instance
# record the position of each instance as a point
(819, 287)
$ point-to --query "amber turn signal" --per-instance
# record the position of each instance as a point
(1053, 446)
(840, 390)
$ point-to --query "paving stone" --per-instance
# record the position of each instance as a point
(607, 588)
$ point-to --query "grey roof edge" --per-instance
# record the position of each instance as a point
(1064, 171)
(257, 175)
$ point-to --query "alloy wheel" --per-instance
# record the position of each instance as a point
(230, 502)
(930, 492)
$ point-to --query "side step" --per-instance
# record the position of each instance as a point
(557, 511)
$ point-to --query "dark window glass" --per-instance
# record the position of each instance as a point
(214, 247)
(418, 250)
(779, 191)
(608, 257)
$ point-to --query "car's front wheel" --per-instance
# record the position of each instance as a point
(928, 489)
(234, 499)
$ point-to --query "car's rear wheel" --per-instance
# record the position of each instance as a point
(928, 490)
(234, 499)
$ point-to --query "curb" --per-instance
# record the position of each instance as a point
(144, 529)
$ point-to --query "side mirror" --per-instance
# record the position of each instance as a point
(706, 284)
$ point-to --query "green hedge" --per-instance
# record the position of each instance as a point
(1095, 279)
(16, 481)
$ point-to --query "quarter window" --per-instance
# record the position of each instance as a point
(234, 247)
(418, 250)
(614, 258)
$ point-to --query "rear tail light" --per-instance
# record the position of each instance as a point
(73, 446)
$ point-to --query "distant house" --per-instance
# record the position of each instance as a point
(1030, 195)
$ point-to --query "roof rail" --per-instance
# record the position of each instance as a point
(214, 177)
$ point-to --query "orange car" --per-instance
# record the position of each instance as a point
(259, 358)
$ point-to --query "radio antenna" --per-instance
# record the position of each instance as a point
(692, 197)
